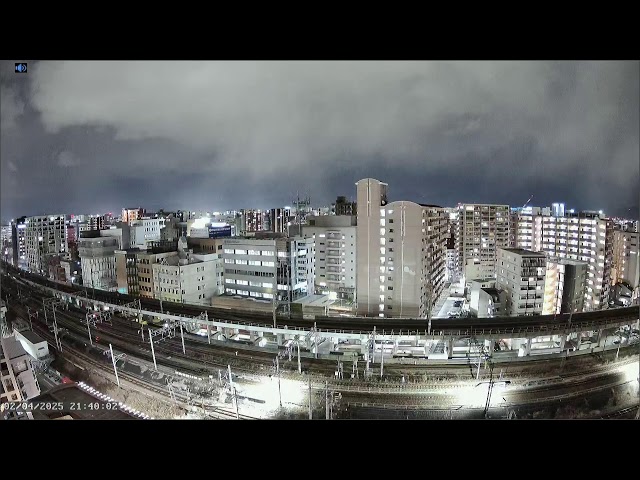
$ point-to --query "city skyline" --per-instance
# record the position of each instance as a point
(100, 136)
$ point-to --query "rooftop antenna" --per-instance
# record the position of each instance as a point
(300, 205)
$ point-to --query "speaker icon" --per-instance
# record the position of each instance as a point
(21, 68)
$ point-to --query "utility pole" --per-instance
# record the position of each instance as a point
(278, 373)
(182, 336)
(89, 330)
(55, 329)
(153, 353)
(299, 364)
(113, 359)
(161, 310)
(382, 361)
(310, 406)
(326, 399)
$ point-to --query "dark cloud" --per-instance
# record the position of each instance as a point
(91, 136)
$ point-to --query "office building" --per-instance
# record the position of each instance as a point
(481, 230)
(332, 255)
(401, 254)
(521, 274)
(44, 236)
(251, 220)
(188, 277)
(565, 286)
(134, 269)
(262, 267)
(145, 230)
(278, 220)
(625, 258)
(486, 302)
(98, 261)
(18, 381)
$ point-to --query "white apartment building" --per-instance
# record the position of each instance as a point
(482, 229)
(262, 267)
(332, 255)
(145, 230)
(564, 287)
(526, 227)
(98, 262)
(401, 254)
(187, 277)
(521, 274)
(44, 236)
(18, 381)
(625, 258)
(586, 237)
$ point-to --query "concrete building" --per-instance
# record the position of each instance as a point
(565, 285)
(131, 214)
(4, 327)
(252, 220)
(188, 277)
(482, 229)
(486, 302)
(344, 207)
(120, 231)
(262, 267)
(145, 230)
(44, 236)
(96, 222)
(332, 255)
(401, 254)
(279, 219)
(587, 237)
(19, 242)
(521, 274)
(526, 227)
(625, 258)
(98, 261)
(17, 379)
(33, 344)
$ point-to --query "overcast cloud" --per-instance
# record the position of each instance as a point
(97, 136)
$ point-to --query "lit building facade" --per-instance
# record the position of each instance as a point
(401, 254)
(332, 255)
(131, 214)
(98, 262)
(262, 267)
(625, 258)
(481, 230)
(44, 236)
(521, 274)
(564, 287)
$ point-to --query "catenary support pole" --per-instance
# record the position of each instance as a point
(153, 353)
(113, 359)
(182, 336)
(310, 406)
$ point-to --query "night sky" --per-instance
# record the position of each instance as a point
(93, 137)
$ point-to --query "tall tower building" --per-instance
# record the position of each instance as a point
(401, 254)
(521, 274)
(482, 229)
(44, 236)
(625, 258)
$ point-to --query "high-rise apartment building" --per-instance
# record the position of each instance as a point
(252, 220)
(332, 255)
(521, 274)
(44, 236)
(625, 258)
(587, 237)
(401, 254)
(564, 286)
(526, 227)
(481, 230)
(279, 219)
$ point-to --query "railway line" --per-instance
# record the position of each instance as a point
(561, 322)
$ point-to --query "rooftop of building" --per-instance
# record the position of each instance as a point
(523, 252)
(32, 337)
(315, 301)
(567, 261)
(11, 348)
(70, 393)
(494, 292)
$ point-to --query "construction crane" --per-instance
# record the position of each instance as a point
(527, 202)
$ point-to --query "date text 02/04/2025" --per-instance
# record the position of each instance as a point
(57, 406)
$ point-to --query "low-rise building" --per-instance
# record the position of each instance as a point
(18, 381)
